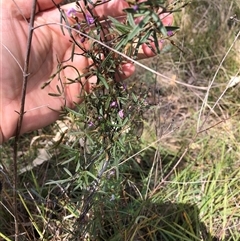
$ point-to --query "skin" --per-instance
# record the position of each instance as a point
(48, 45)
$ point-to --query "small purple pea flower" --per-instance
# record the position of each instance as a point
(71, 12)
(89, 19)
(135, 7)
(90, 124)
(170, 33)
(121, 114)
(113, 104)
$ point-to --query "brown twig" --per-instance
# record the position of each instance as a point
(21, 113)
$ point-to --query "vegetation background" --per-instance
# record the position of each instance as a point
(180, 182)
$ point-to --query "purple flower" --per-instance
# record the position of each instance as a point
(89, 19)
(90, 123)
(121, 114)
(77, 26)
(135, 7)
(113, 104)
(71, 12)
(170, 33)
(124, 86)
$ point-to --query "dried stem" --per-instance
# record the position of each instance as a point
(21, 113)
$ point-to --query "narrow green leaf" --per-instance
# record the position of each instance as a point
(125, 121)
(129, 10)
(171, 28)
(54, 94)
(58, 89)
(91, 175)
(131, 20)
(156, 42)
(135, 99)
(159, 24)
(77, 166)
(67, 171)
(120, 27)
(73, 50)
(103, 80)
(70, 81)
(62, 16)
(107, 103)
(46, 84)
(118, 47)
(142, 40)
(138, 27)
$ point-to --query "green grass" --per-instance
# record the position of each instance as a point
(179, 183)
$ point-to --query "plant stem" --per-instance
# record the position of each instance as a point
(21, 113)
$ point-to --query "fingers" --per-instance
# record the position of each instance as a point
(145, 51)
(125, 71)
(47, 4)
(17, 8)
(112, 8)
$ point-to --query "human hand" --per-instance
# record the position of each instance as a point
(48, 47)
